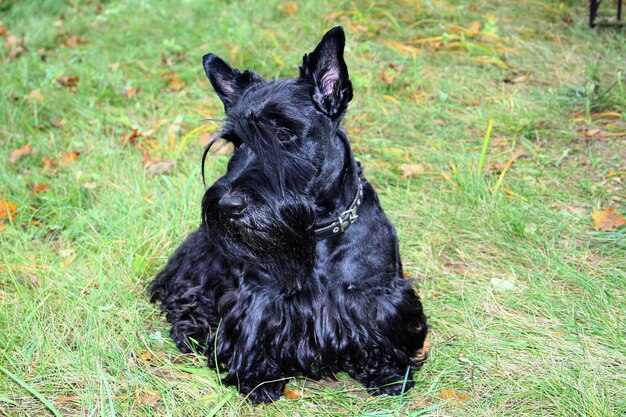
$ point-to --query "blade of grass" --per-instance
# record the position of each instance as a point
(31, 390)
(483, 153)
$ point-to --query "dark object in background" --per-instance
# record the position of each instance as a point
(593, 14)
(295, 269)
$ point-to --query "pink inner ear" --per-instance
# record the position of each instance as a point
(224, 84)
(329, 80)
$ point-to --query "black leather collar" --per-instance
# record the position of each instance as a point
(344, 220)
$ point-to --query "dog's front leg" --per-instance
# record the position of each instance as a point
(187, 288)
(253, 342)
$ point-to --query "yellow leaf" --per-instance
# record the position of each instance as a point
(450, 394)
(293, 394)
(403, 48)
(175, 83)
(289, 9)
(7, 208)
(39, 188)
(392, 99)
(68, 159)
(412, 170)
(607, 220)
(35, 96)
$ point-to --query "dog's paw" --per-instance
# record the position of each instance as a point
(392, 388)
(265, 392)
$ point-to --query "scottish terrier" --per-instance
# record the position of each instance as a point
(295, 268)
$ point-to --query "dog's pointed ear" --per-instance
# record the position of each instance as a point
(228, 82)
(327, 69)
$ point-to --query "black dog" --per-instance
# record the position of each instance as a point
(295, 268)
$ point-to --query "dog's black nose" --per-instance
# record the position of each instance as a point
(232, 205)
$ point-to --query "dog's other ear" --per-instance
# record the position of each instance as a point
(228, 82)
(326, 67)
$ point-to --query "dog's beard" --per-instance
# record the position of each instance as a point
(276, 236)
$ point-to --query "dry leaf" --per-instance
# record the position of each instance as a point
(607, 220)
(35, 96)
(73, 42)
(68, 159)
(39, 188)
(293, 394)
(90, 185)
(450, 394)
(412, 170)
(174, 82)
(404, 49)
(132, 92)
(495, 167)
(390, 74)
(15, 46)
(69, 81)
(7, 208)
(150, 398)
(289, 9)
(49, 165)
(147, 357)
(160, 167)
(58, 123)
(18, 153)
(131, 138)
(114, 66)
(516, 80)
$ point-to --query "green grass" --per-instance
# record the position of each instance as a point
(525, 299)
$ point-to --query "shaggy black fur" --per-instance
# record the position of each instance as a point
(253, 287)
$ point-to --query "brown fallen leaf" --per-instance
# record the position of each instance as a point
(147, 357)
(20, 152)
(131, 138)
(404, 49)
(7, 208)
(516, 80)
(132, 92)
(49, 165)
(149, 398)
(289, 9)
(412, 170)
(160, 167)
(389, 74)
(58, 123)
(15, 46)
(450, 394)
(90, 185)
(293, 394)
(176, 84)
(39, 188)
(73, 42)
(69, 81)
(607, 220)
(35, 96)
(68, 159)
(495, 167)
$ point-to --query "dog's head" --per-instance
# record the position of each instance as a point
(286, 153)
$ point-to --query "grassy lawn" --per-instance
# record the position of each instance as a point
(526, 299)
